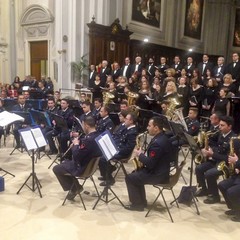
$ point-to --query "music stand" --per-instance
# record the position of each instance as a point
(106, 145)
(62, 125)
(33, 139)
(193, 149)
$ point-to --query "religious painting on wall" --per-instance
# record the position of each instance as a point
(147, 12)
(193, 18)
(236, 37)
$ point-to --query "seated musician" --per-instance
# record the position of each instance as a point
(230, 188)
(207, 172)
(57, 97)
(83, 150)
(156, 166)
(97, 107)
(63, 134)
(42, 90)
(105, 123)
(86, 106)
(21, 106)
(125, 142)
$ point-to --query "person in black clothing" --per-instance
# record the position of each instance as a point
(156, 166)
(230, 188)
(105, 123)
(97, 107)
(222, 104)
(83, 151)
(1, 110)
(207, 172)
(125, 143)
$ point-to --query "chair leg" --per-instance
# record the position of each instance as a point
(175, 199)
(166, 206)
(94, 185)
(184, 179)
(153, 204)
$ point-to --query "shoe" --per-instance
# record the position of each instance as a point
(101, 178)
(201, 192)
(109, 182)
(230, 212)
(72, 194)
(51, 152)
(236, 218)
(212, 199)
(132, 207)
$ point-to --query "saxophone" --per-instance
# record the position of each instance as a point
(137, 164)
(228, 170)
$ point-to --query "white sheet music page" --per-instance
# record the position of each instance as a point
(109, 145)
(39, 138)
(28, 140)
(7, 118)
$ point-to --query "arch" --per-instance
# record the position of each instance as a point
(36, 14)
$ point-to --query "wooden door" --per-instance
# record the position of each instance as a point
(39, 59)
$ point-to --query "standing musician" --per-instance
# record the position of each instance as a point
(21, 106)
(82, 152)
(156, 166)
(125, 140)
(207, 171)
(230, 188)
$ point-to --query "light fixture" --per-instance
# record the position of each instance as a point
(190, 49)
(62, 51)
(145, 39)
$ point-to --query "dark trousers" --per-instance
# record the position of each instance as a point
(135, 185)
(49, 137)
(230, 189)
(105, 168)
(207, 172)
(64, 173)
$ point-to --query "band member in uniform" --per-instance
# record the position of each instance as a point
(105, 123)
(86, 106)
(230, 189)
(97, 107)
(82, 152)
(125, 142)
(207, 171)
(156, 166)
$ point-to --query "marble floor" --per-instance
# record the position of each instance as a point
(27, 216)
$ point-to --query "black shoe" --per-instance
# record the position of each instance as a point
(230, 212)
(101, 178)
(72, 194)
(201, 192)
(212, 199)
(132, 207)
(108, 182)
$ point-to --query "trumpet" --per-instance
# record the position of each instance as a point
(137, 164)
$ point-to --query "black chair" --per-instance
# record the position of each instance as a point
(87, 174)
(168, 186)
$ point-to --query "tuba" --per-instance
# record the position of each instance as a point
(228, 169)
(107, 97)
(137, 164)
(132, 97)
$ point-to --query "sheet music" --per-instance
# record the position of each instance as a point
(107, 146)
(39, 138)
(148, 98)
(7, 118)
(28, 140)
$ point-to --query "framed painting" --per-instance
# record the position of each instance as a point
(193, 18)
(236, 37)
(147, 12)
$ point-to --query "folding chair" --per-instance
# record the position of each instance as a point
(168, 186)
(87, 174)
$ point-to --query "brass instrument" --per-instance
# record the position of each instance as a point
(132, 97)
(107, 97)
(199, 158)
(137, 164)
(228, 169)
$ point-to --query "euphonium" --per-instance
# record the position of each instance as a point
(137, 164)
(107, 97)
(228, 170)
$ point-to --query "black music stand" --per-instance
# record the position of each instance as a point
(191, 189)
(106, 144)
(6, 172)
(62, 125)
(33, 139)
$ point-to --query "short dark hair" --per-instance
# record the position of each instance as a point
(124, 113)
(227, 119)
(106, 108)
(98, 99)
(87, 103)
(133, 116)
(157, 121)
(66, 100)
(124, 102)
(194, 109)
(90, 121)
(51, 99)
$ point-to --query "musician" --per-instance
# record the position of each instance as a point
(177, 66)
(105, 123)
(86, 107)
(230, 189)
(97, 107)
(214, 127)
(137, 67)
(63, 134)
(151, 69)
(222, 103)
(97, 85)
(104, 72)
(26, 95)
(207, 173)
(126, 70)
(163, 67)
(82, 152)
(183, 92)
(229, 84)
(189, 67)
(156, 166)
(158, 97)
(116, 71)
(125, 142)
(57, 99)
(21, 106)
(204, 65)
(170, 91)
(92, 75)
(219, 70)
(195, 94)
(42, 90)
